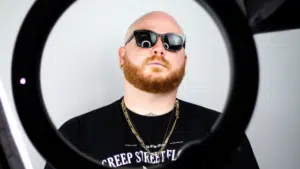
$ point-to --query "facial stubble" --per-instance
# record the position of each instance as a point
(152, 83)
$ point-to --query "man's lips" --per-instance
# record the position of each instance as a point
(157, 63)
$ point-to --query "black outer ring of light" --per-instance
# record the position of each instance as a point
(227, 131)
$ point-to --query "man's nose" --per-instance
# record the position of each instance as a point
(158, 49)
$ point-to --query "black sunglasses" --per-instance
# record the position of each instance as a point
(146, 39)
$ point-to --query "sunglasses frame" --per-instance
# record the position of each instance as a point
(183, 37)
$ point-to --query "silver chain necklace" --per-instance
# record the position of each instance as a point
(134, 130)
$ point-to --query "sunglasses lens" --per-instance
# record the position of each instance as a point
(145, 39)
(173, 42)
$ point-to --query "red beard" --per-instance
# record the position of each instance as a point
(135, 76)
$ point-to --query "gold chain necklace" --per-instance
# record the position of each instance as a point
(134, 131)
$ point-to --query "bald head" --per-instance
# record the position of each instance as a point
(158, 21)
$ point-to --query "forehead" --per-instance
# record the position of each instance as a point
(159, 25)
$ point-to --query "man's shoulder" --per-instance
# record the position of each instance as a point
(100, 115)
(197, 109)
(104, 111)
(198, 114)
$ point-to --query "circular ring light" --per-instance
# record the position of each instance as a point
(226, 133)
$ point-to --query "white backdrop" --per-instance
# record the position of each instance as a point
(80, 66)
(80, 69)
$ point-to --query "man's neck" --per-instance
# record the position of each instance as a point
(148, 104)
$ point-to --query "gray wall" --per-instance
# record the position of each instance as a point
(80, 70)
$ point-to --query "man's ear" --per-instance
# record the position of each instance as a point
(121, 53)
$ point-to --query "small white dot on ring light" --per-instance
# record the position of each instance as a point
(23, 81)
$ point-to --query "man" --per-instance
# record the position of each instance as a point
(148, 125)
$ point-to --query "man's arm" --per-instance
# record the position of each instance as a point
(244, 158)
(70, 131)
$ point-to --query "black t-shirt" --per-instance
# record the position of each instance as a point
(105, 135)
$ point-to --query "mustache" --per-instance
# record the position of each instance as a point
(157, 58)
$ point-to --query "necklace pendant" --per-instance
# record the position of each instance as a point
(154, 153)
